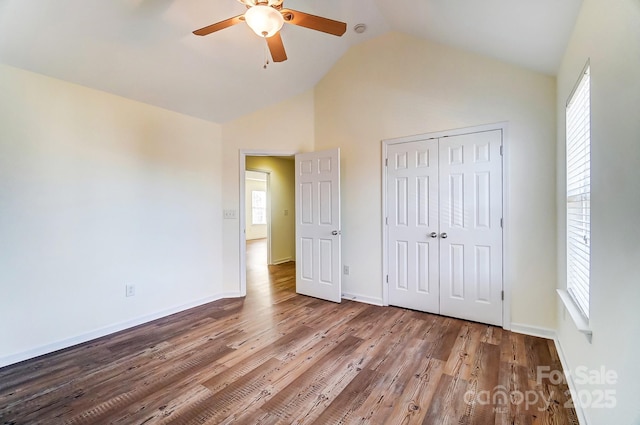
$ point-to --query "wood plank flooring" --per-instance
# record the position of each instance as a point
(276, 357)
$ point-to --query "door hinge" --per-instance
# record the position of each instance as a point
(386, 162)
(501, 222)
(387, 278)
(501, 150)
(386, 220)
(502, 295)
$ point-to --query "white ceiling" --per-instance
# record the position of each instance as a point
(144, 49)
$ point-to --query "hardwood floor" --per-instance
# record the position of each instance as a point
(280, 358)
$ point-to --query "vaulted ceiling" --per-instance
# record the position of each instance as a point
(144, 49)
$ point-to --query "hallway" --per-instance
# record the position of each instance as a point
(267, 284)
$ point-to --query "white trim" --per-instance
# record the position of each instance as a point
(448, 133)
(243, 207)
(268, 212)
(242, 224)
(551, 334)
(385, 254)
(506, 270)
(242, 156)
(533, 331)
(282, 261)
(362, 299)
(506, 228)
(107, 330)
(575, 312)
(582, 417)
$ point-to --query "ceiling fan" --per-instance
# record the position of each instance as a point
(266, 18)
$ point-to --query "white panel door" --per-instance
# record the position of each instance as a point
(470, 227)
(412, 214)
(444, 213)
(318, 225)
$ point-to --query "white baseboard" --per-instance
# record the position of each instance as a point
(551, 334)
(362, 299)
(281, 261)
(533, 331)
(582, 418)
(107, 330)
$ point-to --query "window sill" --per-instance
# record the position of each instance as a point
(580, 321)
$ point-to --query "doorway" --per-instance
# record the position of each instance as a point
(276, 237)
(257, 218)
(310, 213)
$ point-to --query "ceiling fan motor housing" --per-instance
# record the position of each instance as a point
(272, 3)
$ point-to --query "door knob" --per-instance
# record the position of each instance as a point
(335, 232)
(443, 235)
(433, 234)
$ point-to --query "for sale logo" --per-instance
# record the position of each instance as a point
(599, 393)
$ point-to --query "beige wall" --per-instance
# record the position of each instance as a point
(607, 33)
(253, 231)
(397, 85)
(282, 192)
(285, 127)
(97, 192)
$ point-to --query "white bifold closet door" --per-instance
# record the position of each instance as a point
(444, 223)
(412, 215)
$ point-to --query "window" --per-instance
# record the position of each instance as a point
(578, 136)
(258, 207)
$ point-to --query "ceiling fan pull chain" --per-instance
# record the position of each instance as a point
(266, 54)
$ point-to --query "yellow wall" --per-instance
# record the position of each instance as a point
(397, 85)
(607, 33)
(97, 192)
(282, 191)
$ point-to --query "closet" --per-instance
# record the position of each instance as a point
(443, 224)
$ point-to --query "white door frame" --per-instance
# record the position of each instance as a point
(243, 154)
(268, 206)
(506, 269)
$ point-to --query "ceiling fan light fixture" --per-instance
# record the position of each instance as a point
(264, 20)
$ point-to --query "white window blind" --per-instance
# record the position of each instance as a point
(258, 207)
(578, 128)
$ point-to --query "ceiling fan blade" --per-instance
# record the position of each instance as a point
(276, 47)
(219, 25)
(313, 22)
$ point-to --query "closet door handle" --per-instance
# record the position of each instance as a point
(433, 234)
(443, 235)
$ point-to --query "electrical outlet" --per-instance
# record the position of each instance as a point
(130, 290)
(345, 270)
(229, 214)
(286, 212)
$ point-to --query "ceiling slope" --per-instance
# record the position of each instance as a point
(144, 49)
